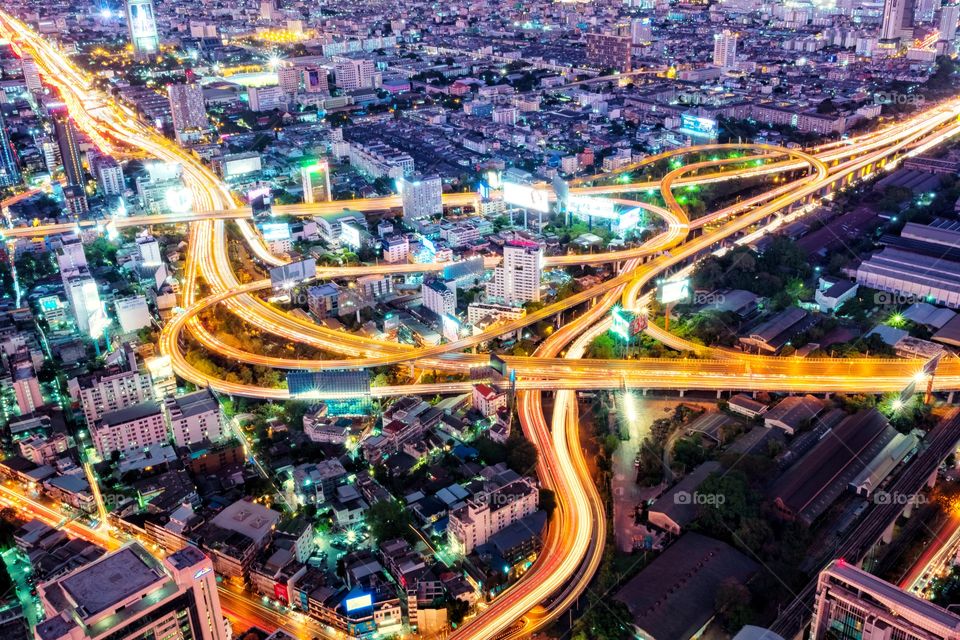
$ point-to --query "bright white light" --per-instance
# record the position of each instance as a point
(179, 199)
(897, 404)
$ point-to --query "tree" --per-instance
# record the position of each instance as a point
(548, 500)
(603, 347)
(387, 520)
(521, 454)
(732, 604)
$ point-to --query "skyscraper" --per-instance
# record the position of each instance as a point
(142, 24)
(422, 196)
(949, 16)
(66, 135)
(131, 594)
(315, 179)
(31, 75)
(517, 279)
(187, 110)
(725, 49)
(354, 74)
(897, 20)
(9, 172)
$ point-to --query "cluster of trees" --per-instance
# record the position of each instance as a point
(777, 273)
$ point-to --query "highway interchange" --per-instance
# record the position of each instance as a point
(573, 546)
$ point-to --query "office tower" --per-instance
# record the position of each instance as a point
(109, 175)
(66, 135)
(131, 594)
(31, 74)
(640, 30)
(268, 9)
(9, 172)
(315, 80)
(266, 98)
(120, 386)
(607, 51)
(422, 196)
(949, 16)
(315, 179)
(517, 279)
(853, 604)
(130, 429)
(187, 110)
(353, 74)
(897, 20)
(725, 49)
(142, 24)
(288, 77)
(86, 305)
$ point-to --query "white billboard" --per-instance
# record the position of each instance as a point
(289, 275)
(275, 231)
(526, 196)
(675, 291)
(143, 26)
(589, 206)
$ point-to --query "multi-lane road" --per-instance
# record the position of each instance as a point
(572, 549)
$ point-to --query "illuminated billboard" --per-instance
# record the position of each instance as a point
(588, 206)
(676, 291)
(358, 602)
(241, 164)
(143, 26)
(526, 197)
(700, 125)
(275, 231)
(288, 275)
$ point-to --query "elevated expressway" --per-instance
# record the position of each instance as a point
(572, 550)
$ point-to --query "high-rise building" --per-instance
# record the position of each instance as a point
(188, 111)
(86, 304)
(66, 135)
(315, 179)
(31, 74)
(122, 385)
(126, 430)
(517, 279)
(725, 49)
(853, 604)
(288, 77)
(194, 418)
(26, 386)
(640, 30)
(897, 20)
(314, 80)
(440, 296)
(131, 594)
(109, 175)
(9, 172)
(351, 73)
(609, 51)
(142, 24)
(472, 524)
(422, 196)
(266, 98)
(949, 16)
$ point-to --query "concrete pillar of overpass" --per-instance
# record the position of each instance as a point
(932, 480)
(950, 398)
(887, 536)
(719, 394)
(908, 510)
(827, 395)
(682, 391)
